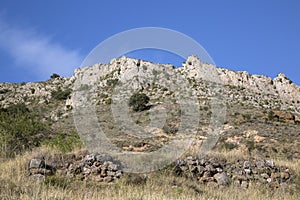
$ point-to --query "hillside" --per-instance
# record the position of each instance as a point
(220, 128)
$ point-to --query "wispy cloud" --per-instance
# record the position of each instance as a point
(36, 52)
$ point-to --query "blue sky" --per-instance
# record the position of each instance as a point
(38, 38)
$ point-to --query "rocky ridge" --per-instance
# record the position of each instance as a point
(260, 91)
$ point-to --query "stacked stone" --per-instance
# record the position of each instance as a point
(206, 169)
(38, 168)
(219, 172)
(96, 167)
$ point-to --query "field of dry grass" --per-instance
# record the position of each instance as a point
(16, 184)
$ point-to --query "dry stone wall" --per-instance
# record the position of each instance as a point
(210, 170)
(219, 172)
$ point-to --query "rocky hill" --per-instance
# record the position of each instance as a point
(251, 108)
(250, 102)
(256, 120)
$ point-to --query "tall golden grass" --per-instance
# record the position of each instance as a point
(16, 184)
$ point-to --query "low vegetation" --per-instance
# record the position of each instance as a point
(64, 142)
(138, 101)
(19, 130)
(54, 76)
(60, 94)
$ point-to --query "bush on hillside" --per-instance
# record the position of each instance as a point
(54, 76)
(65, 142)
(138, 101)
(19, 130)
(61, 94)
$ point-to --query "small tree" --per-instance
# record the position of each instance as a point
(138, 101)
(54, 76)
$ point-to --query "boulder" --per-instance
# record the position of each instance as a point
(222, 179)
(36, 163)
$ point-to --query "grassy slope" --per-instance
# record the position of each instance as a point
(15, 184)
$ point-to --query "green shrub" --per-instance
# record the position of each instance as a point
(64, 142)
(144, 67)
(61, 94)
(171, 130)
(271, 115)
(112, 82)
(246, 117)
(4, 91)
(16, 109)
(108, 101)
(229, 146)
(250, 145)
(54, 76)
(138, 101)
(32, 90)
(154, 72)
(19, 130)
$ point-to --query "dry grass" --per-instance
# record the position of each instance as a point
(15, 184)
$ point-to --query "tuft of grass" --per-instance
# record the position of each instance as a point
(58, 182)
(169, 129)
(228, 146)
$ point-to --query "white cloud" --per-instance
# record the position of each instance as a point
(37, 53)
